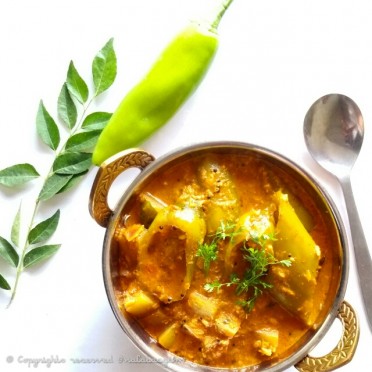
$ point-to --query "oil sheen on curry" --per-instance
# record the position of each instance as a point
(226, 260)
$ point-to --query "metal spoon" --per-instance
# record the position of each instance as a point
(333, 130)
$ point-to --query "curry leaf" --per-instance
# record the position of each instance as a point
(96, 120)
(72, 163)
(8, 253)
(76, 85)
(104, 68)
(53, 185)
(3, 283)
(83, 141)
(18, 174)
(47, 128)
(39, 254)
(14, 235)
(66, 107)
(74, 180)
(44, 230)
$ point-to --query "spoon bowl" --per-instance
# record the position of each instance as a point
(333, 131)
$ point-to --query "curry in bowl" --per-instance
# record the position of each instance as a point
(226, 257)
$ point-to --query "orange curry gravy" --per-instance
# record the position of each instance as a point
(159, 277)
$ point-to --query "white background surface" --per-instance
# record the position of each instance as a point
(275, 59)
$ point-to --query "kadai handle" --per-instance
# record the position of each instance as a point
(345, 349)
(106, 175)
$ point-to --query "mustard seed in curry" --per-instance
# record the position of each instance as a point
(225, 261)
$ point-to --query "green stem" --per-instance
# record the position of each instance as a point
(24, 250)
(37, 203)
(220, 12)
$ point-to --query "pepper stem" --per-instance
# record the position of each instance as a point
(220, 12)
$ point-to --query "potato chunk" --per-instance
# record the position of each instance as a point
(267, 341)
(227, 324)
(168, 337)
(202, 305)
(139, 303)
(195, 328)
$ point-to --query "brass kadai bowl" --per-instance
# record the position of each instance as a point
(334, 307)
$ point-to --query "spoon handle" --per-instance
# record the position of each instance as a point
(362, 256)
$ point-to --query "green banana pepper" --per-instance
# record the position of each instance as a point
(179, 233)
(170, 81)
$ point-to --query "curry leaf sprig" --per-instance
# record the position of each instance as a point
(252, 281)
(71, 161)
